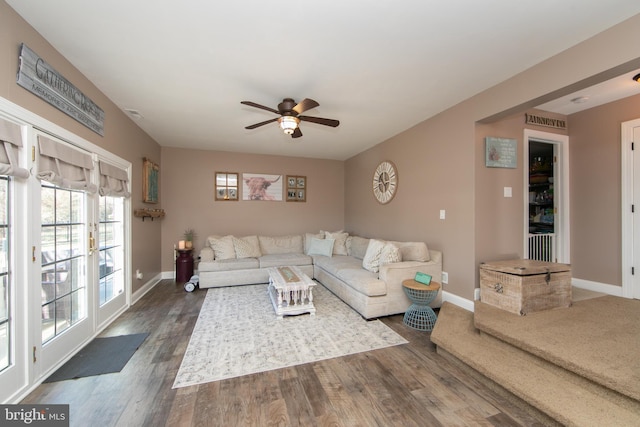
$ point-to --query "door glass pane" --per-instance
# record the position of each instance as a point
(63, 260)
(110, 242)
(5, 282)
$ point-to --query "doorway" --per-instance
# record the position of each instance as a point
(630, 166)
(546, 223)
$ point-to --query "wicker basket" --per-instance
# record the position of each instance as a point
(525, 286)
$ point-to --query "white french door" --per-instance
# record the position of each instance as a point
(64, 246)
(630, 186)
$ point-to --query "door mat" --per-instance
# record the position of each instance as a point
(100, 356)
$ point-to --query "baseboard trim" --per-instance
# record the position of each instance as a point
(457, 300)
(597, 287)
(135, 297)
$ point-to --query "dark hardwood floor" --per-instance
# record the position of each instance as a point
(406, 385)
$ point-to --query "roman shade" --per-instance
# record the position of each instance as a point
(65, 166)
(11, 139)
(113, 181)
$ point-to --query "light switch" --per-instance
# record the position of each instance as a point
(508, 192)
(442, 214)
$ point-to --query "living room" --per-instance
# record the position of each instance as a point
(441, 164)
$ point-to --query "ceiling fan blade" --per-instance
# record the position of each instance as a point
(253, 104)
(304, 105)
(296, 133)
(262, 123)
(320, 121)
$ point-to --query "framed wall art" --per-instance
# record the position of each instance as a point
(150, 181)
(261, 187)
(227, 186)
(501, 152)
(296, 188)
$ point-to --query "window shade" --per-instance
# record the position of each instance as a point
(11, 141)
(113, 181)
(64, 166)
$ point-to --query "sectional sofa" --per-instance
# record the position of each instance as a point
(365, 273)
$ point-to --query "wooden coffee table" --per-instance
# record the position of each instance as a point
(291, 291)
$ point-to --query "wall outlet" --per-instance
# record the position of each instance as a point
(476, 294)
(443, 214)
(445, 277)
(138, 275)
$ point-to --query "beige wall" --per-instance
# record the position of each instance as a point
(441, 166)
(122, 136)
(596, 211)
(187, 186)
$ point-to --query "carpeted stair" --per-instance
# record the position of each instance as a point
(577, 366)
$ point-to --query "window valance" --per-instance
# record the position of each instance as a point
(10, 142)
(64, 165)
(113, 181)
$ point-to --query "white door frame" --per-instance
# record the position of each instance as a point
(629, 289)
(561, 184)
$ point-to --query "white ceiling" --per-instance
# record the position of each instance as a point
(378, 67)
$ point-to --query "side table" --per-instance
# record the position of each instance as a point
(419, 315)
(184, 265)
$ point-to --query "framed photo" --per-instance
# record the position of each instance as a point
(262, 187)
(150, 181)
(227, 186)
(296, 188)
(501, 152)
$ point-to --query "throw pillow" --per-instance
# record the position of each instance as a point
(390, 253)
(321, 247)
(247, 247)
(371, 260)
(340, 246)
(223, 247)
(307, 240)
(357, 246)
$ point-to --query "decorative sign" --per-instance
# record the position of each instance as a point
(501, 152)
(42, 80)
(531, 119)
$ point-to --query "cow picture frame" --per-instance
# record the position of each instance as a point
(296, 188)
(227, 186)
(262, 187)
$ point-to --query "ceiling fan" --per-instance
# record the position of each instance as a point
(290, 115)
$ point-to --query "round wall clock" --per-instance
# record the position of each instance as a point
(385, 182)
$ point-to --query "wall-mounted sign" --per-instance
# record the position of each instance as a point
(501, 152)
(532, 119)
(39, 78)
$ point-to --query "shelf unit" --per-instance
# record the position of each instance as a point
(149, 213)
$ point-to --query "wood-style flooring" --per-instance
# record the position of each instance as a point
(406, 385)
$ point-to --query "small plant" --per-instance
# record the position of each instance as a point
(189, 234)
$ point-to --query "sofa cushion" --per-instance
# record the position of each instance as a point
(340, 245)
(371, 260)
(357, 246)
(321, 247)
(413, 251)
(229, 264)
(349, 270)
(279, 260)
(247, 247)
(222, 247)
(281, 244)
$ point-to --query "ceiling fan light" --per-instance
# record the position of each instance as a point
(637, 78)
(288, 124)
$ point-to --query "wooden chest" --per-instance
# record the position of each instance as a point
(523, 286)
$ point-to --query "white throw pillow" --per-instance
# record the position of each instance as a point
(340, 246)
(321, 247)
(390, 253)
(223, 247)
(247, 247)
(371, 260)
(307, 240)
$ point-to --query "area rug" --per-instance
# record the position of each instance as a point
(101, 356)
(237, 333)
